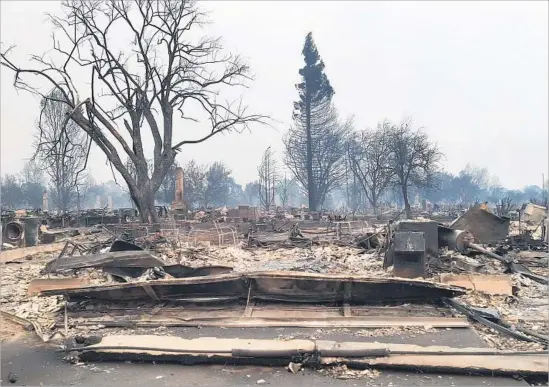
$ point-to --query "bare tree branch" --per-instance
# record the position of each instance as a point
(414, 159)
(268, 179)
(369, 154)
(156, 73)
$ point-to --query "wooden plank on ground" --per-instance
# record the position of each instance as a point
(432, 358)
(17, 254)
(495, 284)
(484, 364)
(40, 284)
(253, 322)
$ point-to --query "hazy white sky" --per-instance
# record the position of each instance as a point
(473, 74)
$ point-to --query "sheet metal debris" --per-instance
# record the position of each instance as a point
(485, 226)
(279, 286)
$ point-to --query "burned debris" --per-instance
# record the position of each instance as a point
(346, 234)
(294, 273)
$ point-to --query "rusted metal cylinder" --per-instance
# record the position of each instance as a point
(457, 240)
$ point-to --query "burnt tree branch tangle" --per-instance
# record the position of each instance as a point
(140, 85)
(62, 149)
(369, 155)
(283, 190)
(414, 159)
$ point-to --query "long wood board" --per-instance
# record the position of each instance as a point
(432, 358)
(254, 322)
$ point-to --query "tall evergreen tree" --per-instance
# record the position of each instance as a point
(314, 145)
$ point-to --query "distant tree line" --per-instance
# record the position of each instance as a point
(324, 152)
(23, 190)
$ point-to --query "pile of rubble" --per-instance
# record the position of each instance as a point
(481, 271)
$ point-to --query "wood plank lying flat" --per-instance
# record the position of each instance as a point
(281, 286)
(253, 322)
(495, 284)
(224, 345)
(40, 284)
(261, 310)
(203, 345)
(26, 324)
(484, 364)
(16, 254)
(432, 358)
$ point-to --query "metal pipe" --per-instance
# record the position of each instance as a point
(246, 352)
(457, 240)
(482, 250)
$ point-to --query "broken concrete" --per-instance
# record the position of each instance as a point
(210, 294)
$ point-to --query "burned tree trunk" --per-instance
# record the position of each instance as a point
(169, 70)
(311, 188)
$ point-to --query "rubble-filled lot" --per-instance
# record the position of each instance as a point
(514, 303)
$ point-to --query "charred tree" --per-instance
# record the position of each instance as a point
(166, 191)
(251, 191)
(138, 85)
(32, 184)
(62, 149)
(370, 162)
(195, 184)
(354, 193)
(216, 192)
(504, 206)
(414, 159)
(314, 144)
(268, 178)
(12, 194)
(284, 190)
